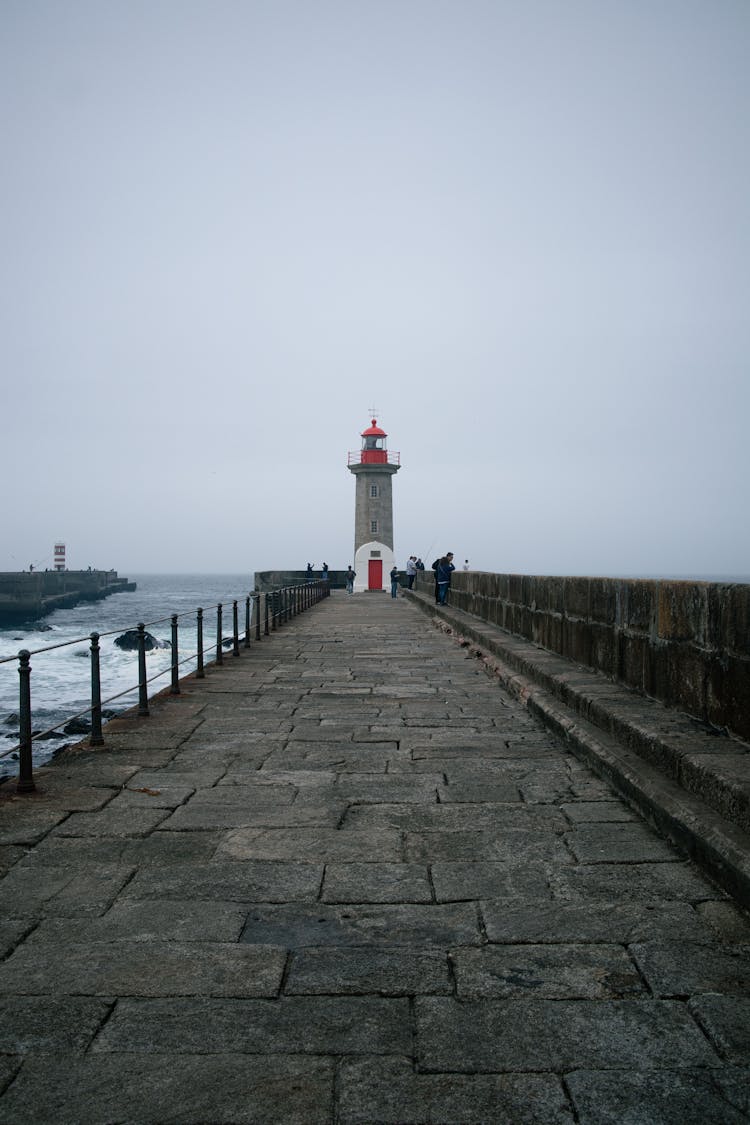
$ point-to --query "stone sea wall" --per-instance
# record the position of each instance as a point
(26, 596)
(686, 644)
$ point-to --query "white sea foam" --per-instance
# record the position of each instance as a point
(61, 678)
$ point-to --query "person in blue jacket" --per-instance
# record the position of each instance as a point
(443, 569)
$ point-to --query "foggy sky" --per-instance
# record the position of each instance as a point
(518, 229)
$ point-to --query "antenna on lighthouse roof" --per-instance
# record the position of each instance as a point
(373, 412)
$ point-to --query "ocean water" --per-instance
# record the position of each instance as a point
(61, 678)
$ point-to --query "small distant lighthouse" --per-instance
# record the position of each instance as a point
(374, 468)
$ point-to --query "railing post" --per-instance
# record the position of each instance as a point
(247, 621)
(265, 613)
(235, 630)
(256, 610)
(274, 605)
(219, 636)
(142, 685)
(200, 671)
(175, 688)
(25, 782)
(96, 739)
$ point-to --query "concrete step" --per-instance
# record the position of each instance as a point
(690, 781)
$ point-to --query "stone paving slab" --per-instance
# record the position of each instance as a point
(391, 1092)
(554, 972)
(360, 971)
(250, 881)
(334, 1025)
(149, 920)
(349, 878)
(669, 1097)
(726, 1021)
(376, 882)
(592, 922)
(178, 1089)
(161, 968)
(50, 1024)
(297, 926)
(684, 968)
(501, 1035)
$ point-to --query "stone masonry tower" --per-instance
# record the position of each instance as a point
(374, 469)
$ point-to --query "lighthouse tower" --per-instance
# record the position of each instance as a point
(374, 468)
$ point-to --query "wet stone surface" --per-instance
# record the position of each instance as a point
(348, 878)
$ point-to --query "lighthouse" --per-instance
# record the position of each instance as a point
(374, 468)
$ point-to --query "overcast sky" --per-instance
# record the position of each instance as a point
(519, 229)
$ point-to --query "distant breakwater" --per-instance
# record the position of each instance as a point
(30, 595)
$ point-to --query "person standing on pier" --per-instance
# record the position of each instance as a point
(443, 569)
(350, 576)
(411, 570)
(394, 581)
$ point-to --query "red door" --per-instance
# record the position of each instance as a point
(375, 574)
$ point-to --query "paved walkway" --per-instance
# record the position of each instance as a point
(346, 878)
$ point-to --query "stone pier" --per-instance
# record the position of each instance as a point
(350, 878)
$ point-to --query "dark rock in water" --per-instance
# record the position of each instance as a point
(44, 628)
(82, 653)
(77, 726)
(11, 720)
(50, 734)
(108, 714)
(129, 641)
(227, 643)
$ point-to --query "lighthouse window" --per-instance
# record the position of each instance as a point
(373, 490)
(373, 527)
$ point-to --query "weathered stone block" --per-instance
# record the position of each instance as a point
(391, 1092)
(49, 1024)
(557, 1035)
(577, 641)
(682, 611)
(669, 1097)
(631, 659)
(735, 703)
(727, 1022)
(638, 605)
(603, 599)
(515, 589)
(684, 968)
(285, 1089)
(553, 972)
(144, 968)
(576, 592)
(603, 648)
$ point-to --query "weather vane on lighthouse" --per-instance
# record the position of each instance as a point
(374, 468)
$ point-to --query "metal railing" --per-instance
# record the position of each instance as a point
(278, 607)
(388, 458)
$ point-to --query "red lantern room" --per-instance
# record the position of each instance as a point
(374, 450)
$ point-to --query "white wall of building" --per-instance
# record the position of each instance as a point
(362, 559)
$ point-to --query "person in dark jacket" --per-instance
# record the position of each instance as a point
(394, 582)
(443, 568)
